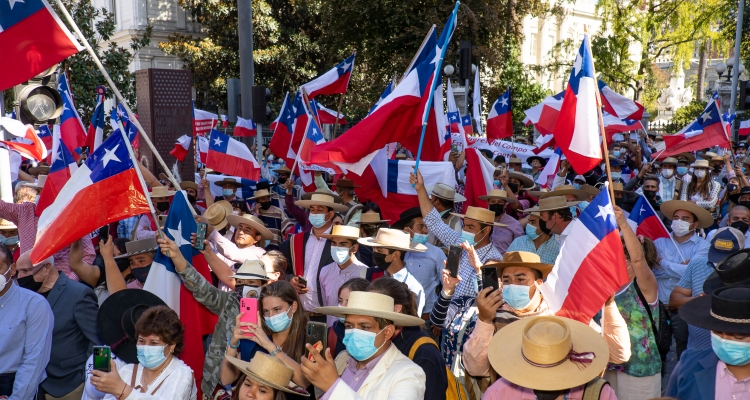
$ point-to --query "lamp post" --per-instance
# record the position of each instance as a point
(736, 75)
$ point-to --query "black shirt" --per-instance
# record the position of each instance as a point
(428, 357)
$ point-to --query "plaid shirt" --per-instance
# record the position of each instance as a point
(125, 226)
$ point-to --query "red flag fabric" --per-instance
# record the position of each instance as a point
(479, 178)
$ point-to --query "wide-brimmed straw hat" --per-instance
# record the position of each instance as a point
(116, 320)
(562, 190)
(521, 259)
(705, 219)
(498, 194)
(40, 181)
(393, 239)
(249, 219)
(136, 247)
(371, 218)
(618, 187)
(343, 231)
(700, 164)
(346, 184)
(260, 193)
(161, 191)
(515, 160)
(526, 182)
(216, 214)
(228, 181)
(283, 168)
(688, 156)
(548, 353)
(188, 185)
(551, 204)
(445, 192)
(336, 197)
(591, 190)
(6, 225)
(669, 160)
(321, 199)
(269, 371)
(371, 304)
(725, 310)
(251, 269)
(482, 215)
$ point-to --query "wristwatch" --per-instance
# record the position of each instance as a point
(277, 351)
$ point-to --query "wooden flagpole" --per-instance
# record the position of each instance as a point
(338, 112)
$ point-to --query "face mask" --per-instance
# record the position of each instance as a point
(745, 203)
(279, 322)
(573, 211)
(10, 241)
(620, 202)
(36, 199)
(667, 173)
(682, 170)
(740, 226)
(162, 206)
(616, 153)
(496, 183)
(531, 231)
(700, 173)
(270, 158)
(517, 296)
(340, 254)
(731, 187)
(379, 260)
(342, 319)
(250, 292)
(191, 199)
(282, 180)
(582, 205)
(616, 175)
(468, 237)
(227, 192)
(513, 187)
(361, 344)
(603, 168)
(717, 168)
(141, 273)
(577, 186)
(680, 227)
(420, 238)
(731, 352)
(265, 204)
(28, 282)
(3, 280)
(498, 209)
(317, 220)
(650, 194)
(151, 356)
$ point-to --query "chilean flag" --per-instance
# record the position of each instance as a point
(78, 210)
(455, 124)
(386, 92)
(706, 131)
(283, 127)
(203, 121)
(619, 105)
(466, 124)
(577, 128)
(479, 180)
(544, 115)
(27, 143)
(326, 115)
(247, 189)
(613, 124)
(500, 120)
(202, 145)
(32, 39)
(647, 222)
(46, 136)
(550, 169)
(245, 127)
(181, 147)
(62, 168)
(95, 134)
(231, 157)
(164, 282)
(745, 128)
(71, 127)
(335, 81)
(130, 129)
(224, 121)
(590, 266)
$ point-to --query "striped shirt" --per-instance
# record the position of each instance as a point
(427, 268)
(695, 275)
(331, 279)
(547, 252)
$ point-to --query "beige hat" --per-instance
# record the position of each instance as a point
(539, 352)
(668, 208)
(393, 239)
(562, 190)
(251, 269)
(551, 204)
(371, 304)
(343, 231)
(371, 218)
(618, 187)
(39, 184)
(6, 225)
(320, 199)
(498, 194)
(229, 181)
(700, 164)
(708, 155)
(445, 192)
(188, 185)
(746, 160)
(669, 160)
(216, 214)
(336, 198)
(249, 219)
(283, 168)
(260, 193)
(526, 182)
(39, 169)
(269, 371)
(482, 215)
(591, 190)
(161, 191)
(515, 160)
(521, 259)
(136, 247)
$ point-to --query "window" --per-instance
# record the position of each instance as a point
(532, 45)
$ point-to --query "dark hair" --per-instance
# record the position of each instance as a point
(242, 205)
(355, 285)
(445, 203)
(650, 254)
(370, 206)
(651, 177)
(120, 244)
(703, 189)
(398, 291)
(294, 345)
(564, 213)
(163, 322)
(279, 262)
(486, 153)
(278, 394)
(537, 273)
(401, 252)
(499, 159)
(6, 254)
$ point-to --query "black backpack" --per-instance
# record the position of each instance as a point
(662, 334)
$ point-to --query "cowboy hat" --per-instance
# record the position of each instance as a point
(617, 187)
(251, 269)
(228, 181)
(726, 310)
(688, 156)
(39, 169)
(541, 160)
(551, 204)
(135, 247)
(188, 185)
(735, 198)
(515, 160)
(269, 371)
(521, 259)
(216, 214)
(562, 190)
(336, 197)
(734, 270)
(526, 182)
(6, 225)
(346, 184)
(393, 239)
(260, 193)
(252, 220)
(116, 320)
(746, 160)
(406, 217)
(498, 194)
(705, 218)
(370, 218)
(161, 191)
(445, 192)
(482, 215)
(591, 190)
(700, 164)
(708, 155)
(539, 352)
(40, 181)
(321, 199)
(371, 304)
(669, 161)
(283, 168)
(343, 231)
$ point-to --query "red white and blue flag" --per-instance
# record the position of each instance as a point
(63, 166)
(476, 103)
(203, 121)
(613, 124)
(77, 211)
(619, 105)
(386, 92)
(45, 134)
(71, 128)
(706, 131)
(224, 121)
(245, 127)
(466, 125)
(335, 81)
(95, 134)
(500, 119)
(202, 145)
(544, 115)
(181, 147)
(647, 223)
(552, 167)
(590, 266)
(32, 39)
(130, 129)
(479, 180)
(454, 116)
(26, 141)
(326, 115)
(745, 128)
(231, 157)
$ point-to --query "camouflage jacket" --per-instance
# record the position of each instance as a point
(226, 306)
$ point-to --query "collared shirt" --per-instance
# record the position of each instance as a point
(504, 390)
(728, 387)
(427, 268)
(354, 377)
(547, 252)
(671, 267)
(331, 279)
(503, 236)
(26, 321)
(405, 277)
(230, 253)
(667, 188)
(468, 284)
(564, 235)
(125, 227)
(694, 277)
(313, 251)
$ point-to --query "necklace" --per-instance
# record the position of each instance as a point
(144, 386)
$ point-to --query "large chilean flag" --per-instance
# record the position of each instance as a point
(231, 157)
(62, 168)
(335, 81)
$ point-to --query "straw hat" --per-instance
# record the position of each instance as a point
(591, 190)
(482, 215)
(705, 219)
(260, 193)
(700, 164)
(708, 155)
(445, 192)
(515, 160)
(6, 225)
(228, 181)
(526, 182)
(251, 269)
(618, 187)
(320, 199)
(136, 247)
(498, 194)
(40, 181)
(393, 239)
(39, 169)
(343, 231)
(371, 304)
(562, 190)
(336, 198)
(269, 371)
(346, 184)
(371, 218)
(283, 168)
(746, 160)
(689, 156)
(669, 161)
(536, 353)
(188, 185)
(401, 156)
(217, 213)
(249, 219)
(521, 259)
(551, 204)
(161, 191)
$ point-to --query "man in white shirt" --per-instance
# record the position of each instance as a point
(345, 265)
(556, 214)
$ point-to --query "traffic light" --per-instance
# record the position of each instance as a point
(261, 96)
(38, 100)
(464, 61)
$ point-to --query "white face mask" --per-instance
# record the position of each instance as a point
(4, 281)
(700, 173)
(680, 227)
(667, 173)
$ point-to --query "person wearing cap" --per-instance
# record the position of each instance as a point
(390, 247)
(722, 371)
(372, 367)
(147, 227)
(723, 244)
(25, 346)
(701, 190)
(345, 265)
(740, 151)
(502, 236)
(556, 215)
(537, 239)
(271, 215)
(264, 378)
(738, 217)
(229, 188)
(548, 357)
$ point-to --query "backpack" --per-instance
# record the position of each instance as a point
(662, 334)
(455, 390)
(593, 389)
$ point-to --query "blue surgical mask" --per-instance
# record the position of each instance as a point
(682, 170)
(531, 232)
(517, 296)
(227, 192)
(731, 352)
(497, 183)
(151, 357)
(616, 153)
(616, 175)
(420, 238)
(317, 220)
(279, 322)
(361, 344)
(10, 241)
(577, 186)
(573, 210)
(340, 254)
(582, 205)
(468, 237)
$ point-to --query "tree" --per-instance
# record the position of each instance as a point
(687, 114)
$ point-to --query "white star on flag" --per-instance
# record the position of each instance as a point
(217, 142)
(346, 66)
(438, 52)
(605, 211)
(177, 235)
(578, 63)
(57, 156)
(13, 3)
(110, 156)
(705, 116)
(642, 210)
(504, 101)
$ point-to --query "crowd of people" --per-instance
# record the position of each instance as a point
(353, 305)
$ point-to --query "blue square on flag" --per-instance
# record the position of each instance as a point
(179, 225)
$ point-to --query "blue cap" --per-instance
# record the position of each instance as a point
(725, 242)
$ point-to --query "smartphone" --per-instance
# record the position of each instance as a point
(317, 336)
(104, 234)
(302, 281)
(454, 147)
(454, 259)
(489, 278)
(250, 309)
(200, 235)
(102, 358)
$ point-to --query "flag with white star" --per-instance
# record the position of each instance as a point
(334, 81)
(62, 166)
(706, 131)
(500, 119)
(71, 128)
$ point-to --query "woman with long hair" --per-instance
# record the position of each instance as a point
(702, 190)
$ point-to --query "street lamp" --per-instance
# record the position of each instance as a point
(448, 70)
(720, 68)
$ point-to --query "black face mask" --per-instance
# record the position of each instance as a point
(498, 209)
(282, 180)
(731, 187)
(265, 204)
(28, 282)
(543, 227)
(191, 199)
(162, 206)
(650, 194)
(379, 260)
(745, 203)
(620, 203)
(513, 187)
(548, 394)
(141, 273)
(740, 226)
(717, 168)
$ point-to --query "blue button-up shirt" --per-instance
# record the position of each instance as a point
(404, 276)
(547, 252)
(694, 278)
(26, 323)
(671, 268)
(427, 268)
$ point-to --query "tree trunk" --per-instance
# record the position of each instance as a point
(700, 92)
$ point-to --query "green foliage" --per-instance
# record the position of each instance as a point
(687, 114)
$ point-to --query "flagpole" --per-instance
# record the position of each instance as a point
(302, 142)
(414, 59)
(602, 132)
(338, 112)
